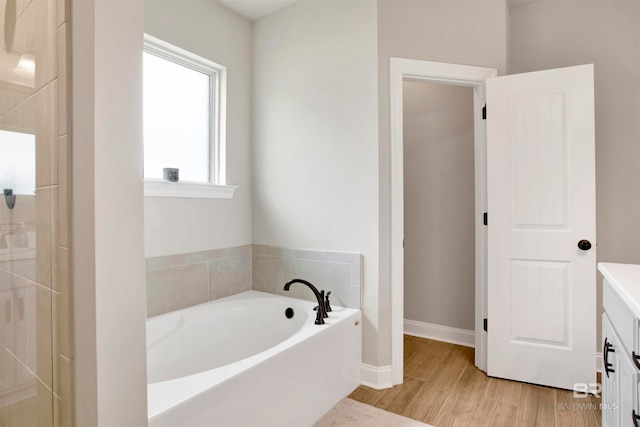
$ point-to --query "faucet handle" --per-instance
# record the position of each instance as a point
(324, 301)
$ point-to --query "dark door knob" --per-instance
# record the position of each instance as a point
(585, 245)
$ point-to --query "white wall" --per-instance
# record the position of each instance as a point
(179, 225)
(468, 32)
(439, 204)
(315, 155)
(552, 34)
(108, 253)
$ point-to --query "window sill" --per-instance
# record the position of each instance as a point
(194, 190)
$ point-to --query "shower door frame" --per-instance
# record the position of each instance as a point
(401, 69)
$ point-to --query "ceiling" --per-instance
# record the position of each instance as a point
(256, 9)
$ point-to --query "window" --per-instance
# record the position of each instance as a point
(18, 162)
(183, 122)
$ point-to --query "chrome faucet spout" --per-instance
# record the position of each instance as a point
(322, 310)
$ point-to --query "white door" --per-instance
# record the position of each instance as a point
(541, 204)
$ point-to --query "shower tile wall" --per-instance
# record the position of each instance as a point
(36, 339)
(184, 280)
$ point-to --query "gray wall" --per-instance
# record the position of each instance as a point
(559, 33)
(439, 205)
(468, 32)
(314, 138)
(181, 225)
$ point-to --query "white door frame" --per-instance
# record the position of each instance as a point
(462, 75)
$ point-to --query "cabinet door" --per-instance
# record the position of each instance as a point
(627, 384)
(610, 391)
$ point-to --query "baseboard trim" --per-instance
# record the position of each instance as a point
(440, 333)
(377, 377)
(452, 335)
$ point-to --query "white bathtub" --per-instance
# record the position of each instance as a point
(239, 361)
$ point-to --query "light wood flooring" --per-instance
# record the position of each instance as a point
(443, 387)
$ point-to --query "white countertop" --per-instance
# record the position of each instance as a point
(625, 279)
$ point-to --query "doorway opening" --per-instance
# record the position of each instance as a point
(439, 212)
(402, 70)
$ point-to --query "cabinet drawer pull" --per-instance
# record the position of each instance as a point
(635, 359)
(608, 348)
(635, 418)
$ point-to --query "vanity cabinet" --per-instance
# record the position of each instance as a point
(618, 377)
(620, 345)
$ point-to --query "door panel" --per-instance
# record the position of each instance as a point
(541, 202)
(540, 291)
(540, 165)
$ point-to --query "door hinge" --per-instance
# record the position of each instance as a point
(485, 325)
(484, 112)
(485, 218)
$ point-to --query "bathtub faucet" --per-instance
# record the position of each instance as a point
(322, 310)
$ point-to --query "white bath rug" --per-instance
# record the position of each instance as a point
(350, 413)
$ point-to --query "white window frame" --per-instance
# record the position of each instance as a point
(217, 187)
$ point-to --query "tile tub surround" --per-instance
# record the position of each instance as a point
(183, 280)
(338, 272)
